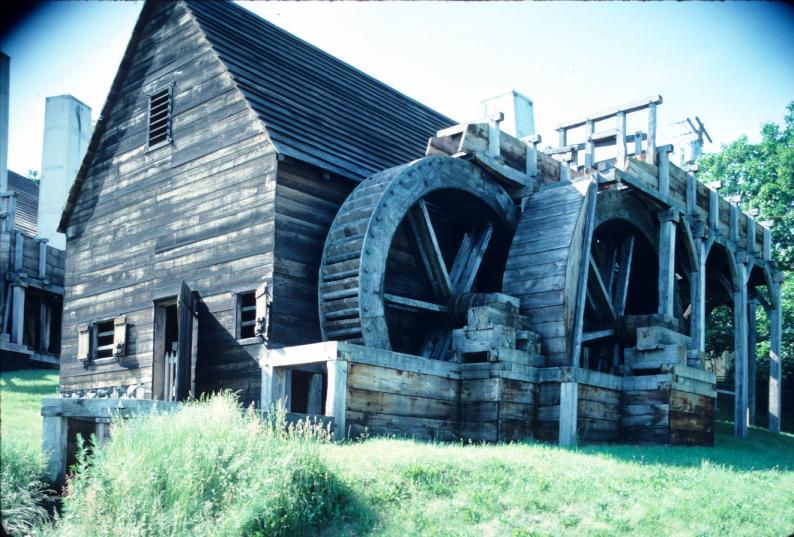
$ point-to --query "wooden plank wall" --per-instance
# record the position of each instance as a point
(692, 404)
(199, 209)
(306, 202)
(598, 414)
(496, 409)
(386, 401)
(547, 424)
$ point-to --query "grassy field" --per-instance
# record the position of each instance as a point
(394, 487)
(20, 404)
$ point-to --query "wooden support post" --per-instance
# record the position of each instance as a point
(740, 351)
(336, 396)
(714, 210)
(314, 403)
(44, 325)
(494, 135)
(19, 251)
(775, 348)
(767, 252)
(691, 194)
(751, 249)
(569, 403)
(697, 325)
(620, 141)
(584, 271)
(273, 385)
(637, 144)
(42, 257)
(752, 338)
(102, 430)
(531, 161)
(589, 155)
(53, 447)
(664, 173)
(18, 315)
(651, 152)
(667, 231)
(734, 224)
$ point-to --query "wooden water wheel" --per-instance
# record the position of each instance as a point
(406, 250)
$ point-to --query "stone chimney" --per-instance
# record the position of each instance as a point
(67, 131)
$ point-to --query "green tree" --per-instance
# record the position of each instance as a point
(762, 175)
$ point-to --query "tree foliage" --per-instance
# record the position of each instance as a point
(762, 175)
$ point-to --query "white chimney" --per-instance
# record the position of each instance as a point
(519, 118)
(67, 131)
(5, 63)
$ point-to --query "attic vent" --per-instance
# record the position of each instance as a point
(160, 117)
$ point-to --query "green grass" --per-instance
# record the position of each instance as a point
(20, 405)
(393, 487)
(412, 488)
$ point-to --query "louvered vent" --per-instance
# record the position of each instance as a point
(160, 117)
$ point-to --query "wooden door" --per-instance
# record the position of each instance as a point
(185, 312)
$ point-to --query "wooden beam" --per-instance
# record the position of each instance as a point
(589, 156)
(598, 334)
(53, 446)
(18, 315)
(336, 397)
(697, 297)
(314, 400)
(609, 112)
(598, 292)
(624, 275)
(620, 159)
(429, 250)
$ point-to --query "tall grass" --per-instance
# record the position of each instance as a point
(22, 489)
(208, 469)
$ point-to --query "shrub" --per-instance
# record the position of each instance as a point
(22, 490)
(207, 469)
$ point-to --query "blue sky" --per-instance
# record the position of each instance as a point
(732, 64)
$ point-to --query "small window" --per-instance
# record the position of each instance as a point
(160, 117)
(246, 315)
(104, 339)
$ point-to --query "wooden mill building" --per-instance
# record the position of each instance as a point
(254, 214)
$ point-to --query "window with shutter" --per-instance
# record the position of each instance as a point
(103, 339)
(83, 342)
(160, 118)
(120, 336)
(263, 299)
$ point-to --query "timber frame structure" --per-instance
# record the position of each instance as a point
(297, 238)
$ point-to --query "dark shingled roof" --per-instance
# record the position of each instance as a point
(316, 107)
(27, 209)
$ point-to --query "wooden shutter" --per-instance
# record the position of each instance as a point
(83, 341)
(263, 300)
(184, 311)
(120, 336)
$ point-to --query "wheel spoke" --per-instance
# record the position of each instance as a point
(469, 257)
(429, 250)
(412, 304)
(624, 274)
(597, 293)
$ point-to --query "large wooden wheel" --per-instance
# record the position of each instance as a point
(405, 250)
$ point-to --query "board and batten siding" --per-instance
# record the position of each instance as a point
(199, 210)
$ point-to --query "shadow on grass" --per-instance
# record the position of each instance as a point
(29, 382)
(353, 515)
(761, 451)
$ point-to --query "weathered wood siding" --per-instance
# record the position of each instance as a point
(305, 205)
(199, 209)
(598, 414)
